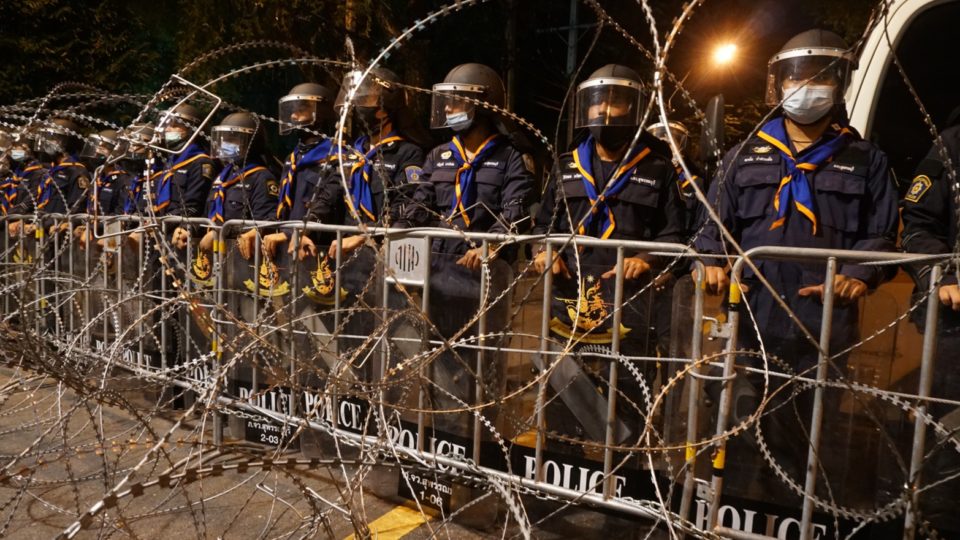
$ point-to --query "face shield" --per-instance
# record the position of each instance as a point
(680, 133)
(367, 94)
(137, 137)
(815, 67)
(452, 105)
(230, 143)
(51, 141)
(608, 101)
(174, 129)
(98, 148)
(298, 111)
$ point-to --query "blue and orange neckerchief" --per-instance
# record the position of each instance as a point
(466, 171)
(135, 190)
(10, 186)
(360, 198)
(165, 189)
(324, 150)
(224, 182)
(583, 160)
(93, 201)
(46, 188)
(798, 191)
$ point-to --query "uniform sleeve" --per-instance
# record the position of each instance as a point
(327, 198)
(926, 216)
(722, 195)
(264, 197)
(79, 189)
(880, 219)
(199, 179)
(518, 189)
(422, 209)
(408, 174)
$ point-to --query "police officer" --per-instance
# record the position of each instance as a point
(381, 165)
(245, 187)
(20, 191)
(806, 179)
(685, 184)
(930, 226)
(608, 188)
(104, 149)
(139, 162)
(187, 174)
(306, 110)
(64, 188)
(476, 182)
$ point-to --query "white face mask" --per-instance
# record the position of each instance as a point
(459, 121)
(809, 103)
(229, 150)
(18, 154)
(172, 137)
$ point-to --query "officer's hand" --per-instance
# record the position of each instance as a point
(206, 243)
(307, 248)
(271, 242)
(246, 243)
(82, 236)
(180, 236)
(135, 239)
(633, 267)
(715, 279)
(472, 259)
(558, 266)
(62, 227)
(13, 229)
(846, 289)
(349, 245)
(950, 296)
(29, 229)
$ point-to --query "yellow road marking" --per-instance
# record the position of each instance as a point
(395, 524)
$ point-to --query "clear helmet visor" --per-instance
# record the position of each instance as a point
(298, 112)
(793, 72)
(230, 144)
(607, 103)
(680, 133)
(97, 147)
(50, 142)
(135, 141)
(367, 93)
(451, 108)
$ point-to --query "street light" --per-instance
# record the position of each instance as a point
(724, 54)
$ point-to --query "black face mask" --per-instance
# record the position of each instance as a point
(367, 116)
(613, 137)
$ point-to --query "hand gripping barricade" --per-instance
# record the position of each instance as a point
(119, 299)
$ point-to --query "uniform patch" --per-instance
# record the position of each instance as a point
(643, 181)
(83, 182)
(765, 149)
(413, 173)
(571, 165)
(273, 188)
(207, 170)
(918, 188)
(446, 155)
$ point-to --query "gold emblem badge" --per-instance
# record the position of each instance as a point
(323, 284)
(270, 282)
(589, 312)
(918, 188)
(202, 269)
